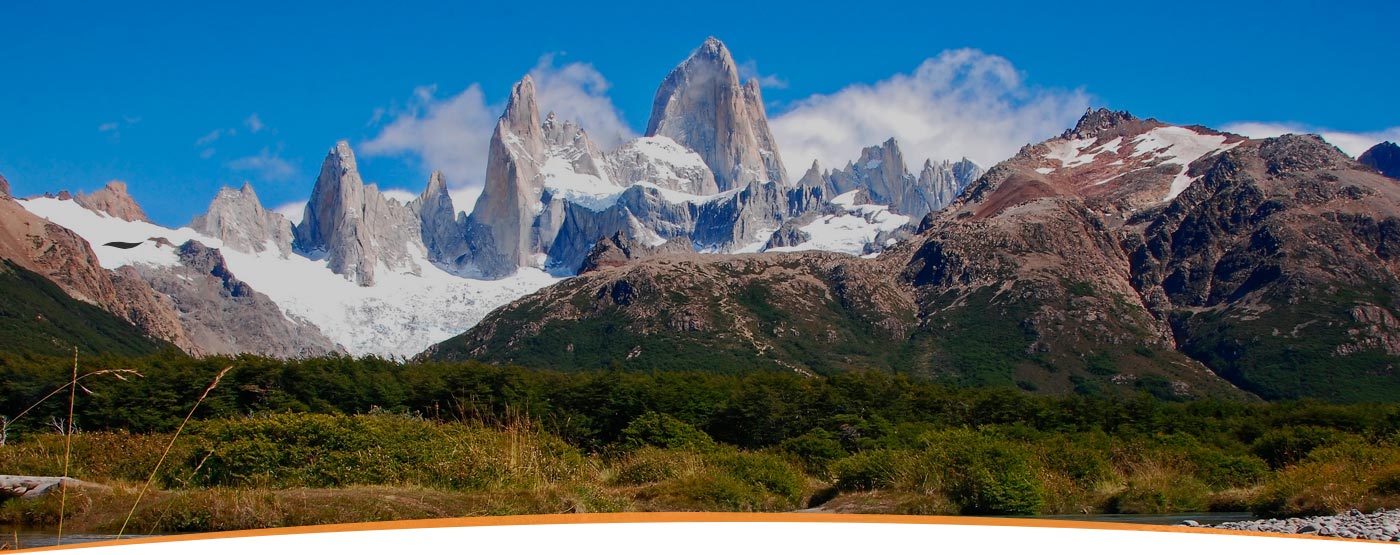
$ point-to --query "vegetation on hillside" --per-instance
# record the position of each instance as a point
(342, 439)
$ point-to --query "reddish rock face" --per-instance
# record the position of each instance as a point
(114, 201)
(65, 258)
(1127, 254)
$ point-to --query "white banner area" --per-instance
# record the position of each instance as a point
(729, 538)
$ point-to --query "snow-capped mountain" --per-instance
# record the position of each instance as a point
(368, 274)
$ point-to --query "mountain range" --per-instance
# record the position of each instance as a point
(363, 273)
(1125, 255)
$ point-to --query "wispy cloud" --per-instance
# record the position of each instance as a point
(578, 92)
(113, 129)
(265, 165)
(452, 134)
(214, 135)
(749, 70)
(254, 123)
(447, 134)
(961, 103)
(1351, 142)
(294, 211)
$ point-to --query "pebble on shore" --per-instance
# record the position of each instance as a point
(1381, 525)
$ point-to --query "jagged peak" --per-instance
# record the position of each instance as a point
(753, 92)
(342, 156)
(113, 199)
(437, 185)
(1094, 122)
(522, 113)
(241, 194)
(713, 48)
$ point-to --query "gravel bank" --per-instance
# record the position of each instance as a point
(1380, 525)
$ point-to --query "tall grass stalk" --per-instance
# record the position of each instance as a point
(118, 373)
(67, 446)
(163, 454)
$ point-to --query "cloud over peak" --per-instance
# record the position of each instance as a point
(1352, 143)
(961, 103)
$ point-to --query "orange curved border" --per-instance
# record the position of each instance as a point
(668, 517)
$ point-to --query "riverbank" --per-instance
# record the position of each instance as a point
(1381, 525)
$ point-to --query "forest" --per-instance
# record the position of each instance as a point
(340, 439)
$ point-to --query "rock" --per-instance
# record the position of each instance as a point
(443, 232)
(353, 226)
(4, 187)
(1190, 523)
(223, 315)
(620, 250)
(30, 487)
(500, 225)
(662, 162)
(66, 259)
(702, 105)
(1384, 158)
(237, 218)
(114, 201)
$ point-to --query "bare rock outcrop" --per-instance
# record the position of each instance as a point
(223, 315)
(1384, 158)
(66, 259)
(443, 232)
(355, 227)
(702, 104)
(114, 201)
(237, 218)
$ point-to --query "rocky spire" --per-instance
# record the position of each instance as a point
(1384, 158)
(813, 179)
(237, 218)
(353, 225)
(702, 105)
(443, 235)
(1094, 122)
(501, 222)
(4, 187)
(114, 201)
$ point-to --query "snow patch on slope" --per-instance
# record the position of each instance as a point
(401, 315)
(1178, 145)
(851, 232)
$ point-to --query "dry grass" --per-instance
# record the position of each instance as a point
(163, 454)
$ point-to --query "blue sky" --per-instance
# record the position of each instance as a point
(180, 98)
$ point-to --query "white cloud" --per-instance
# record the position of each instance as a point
(403, 196)
(453, 134)
(254, 123)
(578, 92)
(749, 70)
(267, 166)
(464, 198)
(109, 126)
(294, 211)
(209, 137)
(1352, 143)
(206, 154)
(961, 103)
(449, 134)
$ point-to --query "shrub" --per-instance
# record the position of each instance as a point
(816, 451)
(867, 470)
(985, 475)
(666, 431)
